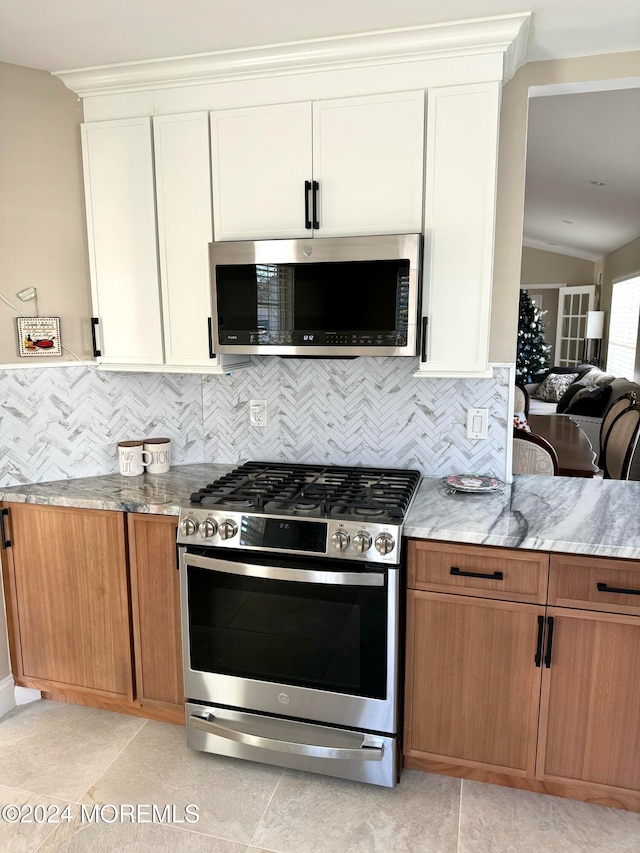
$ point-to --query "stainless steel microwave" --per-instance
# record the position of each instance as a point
(332, 296)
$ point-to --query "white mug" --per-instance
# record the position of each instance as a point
(159, 450)
(131, 456)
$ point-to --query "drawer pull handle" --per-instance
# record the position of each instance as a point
(540, 636)
(6, 543)
(547, 657)
(492, 576)
(602, 587)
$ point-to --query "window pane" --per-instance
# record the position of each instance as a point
(623, 327)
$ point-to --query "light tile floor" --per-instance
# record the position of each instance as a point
(56, 755)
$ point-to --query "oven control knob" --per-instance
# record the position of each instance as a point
(384, 543)
(362, 542)
(207, 528)
(340, 540)
(227, 529)
(189, 525)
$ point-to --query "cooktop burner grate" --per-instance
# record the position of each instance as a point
(313, 490)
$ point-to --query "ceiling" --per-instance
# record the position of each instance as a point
(573, 139)
(575, 143)
(67, 34)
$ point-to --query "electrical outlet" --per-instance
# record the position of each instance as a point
(258, 413)
(477, 423)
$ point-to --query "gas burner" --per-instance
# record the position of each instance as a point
(306, 507)
(366, 510)
(229, 500)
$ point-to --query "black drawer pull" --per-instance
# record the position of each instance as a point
(6, 543)
(96, 352)
(547, 657)
(307, 217)
(314, 204)
(423, 353)
(540, 636)
(491, 576)
(210, 325)
(602, 587)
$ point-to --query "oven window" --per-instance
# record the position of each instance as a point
(311, 635)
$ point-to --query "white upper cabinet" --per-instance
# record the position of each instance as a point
(118, 175)
(261, 158)
(149, 320)
(460, 198)
(336, 167)
(368, 156)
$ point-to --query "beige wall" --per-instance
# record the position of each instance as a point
(511, 174)
(42, 230)
(540, 267)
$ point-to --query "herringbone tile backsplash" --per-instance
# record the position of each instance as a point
(367, 411)
(65, 421)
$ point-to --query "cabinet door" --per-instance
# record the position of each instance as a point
(69, 591)
(473, 687)
(261, 158)
(155, 592)
(368, 155)
(590, 709)
(121, 224)
(460, 192)
(183, 189)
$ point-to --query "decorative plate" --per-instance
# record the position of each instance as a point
(473, 483)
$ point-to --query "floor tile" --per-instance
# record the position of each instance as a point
(318, 814)
(134, 838)
(37, 819)
(158, 768)
(58, 750)
(506, 820)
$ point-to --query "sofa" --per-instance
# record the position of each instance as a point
(584, 393)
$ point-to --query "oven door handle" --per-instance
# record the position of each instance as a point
(280, 574)
(370, 749)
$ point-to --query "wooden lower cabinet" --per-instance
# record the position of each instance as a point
(155, 599)
(67, 593)
(93, 608)
(590, 710)
(473, 686)
(493, 695)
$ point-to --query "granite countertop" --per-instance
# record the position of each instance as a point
(159, 494)
(573, 515)
(565, 514)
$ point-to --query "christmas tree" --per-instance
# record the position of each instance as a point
(532, 360)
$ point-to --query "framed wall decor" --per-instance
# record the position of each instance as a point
(39, 336)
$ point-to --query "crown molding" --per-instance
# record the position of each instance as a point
(560, 249)
(505, 34)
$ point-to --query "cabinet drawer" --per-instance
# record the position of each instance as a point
(478, 570)
(595, 583)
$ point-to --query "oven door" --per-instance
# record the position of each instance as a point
(306, 638)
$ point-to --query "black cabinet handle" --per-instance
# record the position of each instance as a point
(425, 323)
(94, 323)
(539, 644)
(6, 543)
(547, 657)
(307, 218)
(210, 328)
(492, 576)
(602, 587)
(314, 204)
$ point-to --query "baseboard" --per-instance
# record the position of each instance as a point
(24, 695)
(7, 695)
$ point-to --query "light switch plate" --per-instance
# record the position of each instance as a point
(258, 413)
(477, 421)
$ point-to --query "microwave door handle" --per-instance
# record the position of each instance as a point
(275, 573)
(367, 751)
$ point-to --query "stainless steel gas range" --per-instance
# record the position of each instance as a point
(291, 579)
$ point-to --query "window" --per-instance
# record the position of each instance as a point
(623, 327)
